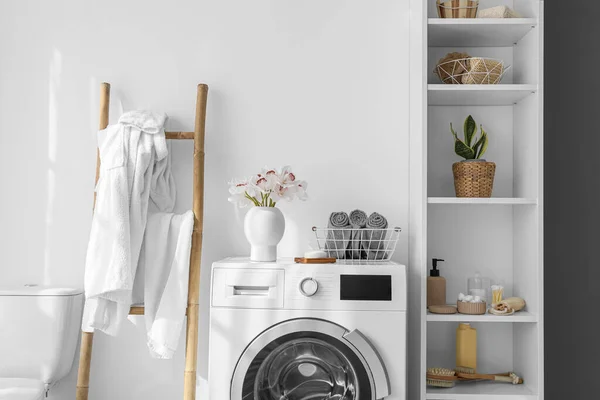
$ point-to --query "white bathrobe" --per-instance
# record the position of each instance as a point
(135, 176)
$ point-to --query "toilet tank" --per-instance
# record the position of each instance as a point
(39, 330)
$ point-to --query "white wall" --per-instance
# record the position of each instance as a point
(320, 85)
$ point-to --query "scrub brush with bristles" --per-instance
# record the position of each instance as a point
(441, 377)
(465, 370)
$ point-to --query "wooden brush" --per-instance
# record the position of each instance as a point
(510, 377)
(441, 377)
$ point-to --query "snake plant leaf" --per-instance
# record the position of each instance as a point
(484, 144)
(477, 146)
(453, 132)
(470, 129)
(463, 150)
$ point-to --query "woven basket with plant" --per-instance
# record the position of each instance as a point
(473, 177)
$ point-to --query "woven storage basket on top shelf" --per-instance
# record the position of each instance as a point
(474, 178)
(457, 8)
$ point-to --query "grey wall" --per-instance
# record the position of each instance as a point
(572, 199)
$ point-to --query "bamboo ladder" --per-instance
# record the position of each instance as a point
(191, 343)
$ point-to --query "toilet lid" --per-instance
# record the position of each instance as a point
(21, 389)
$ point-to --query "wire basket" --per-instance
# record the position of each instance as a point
(471, 71)
(358, 244)
(457, 8)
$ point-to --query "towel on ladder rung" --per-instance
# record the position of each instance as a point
(138, 248)
(162, 278)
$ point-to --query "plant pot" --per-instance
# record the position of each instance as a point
(264, 228)
(474, 178)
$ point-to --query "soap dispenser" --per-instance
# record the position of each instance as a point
(436, 286)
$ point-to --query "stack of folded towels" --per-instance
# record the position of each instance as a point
(356, 236)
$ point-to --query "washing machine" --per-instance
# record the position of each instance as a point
(287, 331)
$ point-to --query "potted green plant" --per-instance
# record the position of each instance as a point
(474, 176)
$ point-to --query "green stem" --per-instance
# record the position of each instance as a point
(252, 199)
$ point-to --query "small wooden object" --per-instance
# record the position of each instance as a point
(191, 343)
(444, 309)
(471, 308)
(304, 260)
(507, 378)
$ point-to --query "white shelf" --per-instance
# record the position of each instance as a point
(504, 231)
(464, 32)
(521, 316)
(481, 390)
(478, 95)
(508, 201)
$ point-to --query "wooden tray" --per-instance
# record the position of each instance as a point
(302, 260)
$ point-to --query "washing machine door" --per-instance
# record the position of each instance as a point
(307, 358)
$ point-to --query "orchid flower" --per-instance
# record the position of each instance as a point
(266, 188)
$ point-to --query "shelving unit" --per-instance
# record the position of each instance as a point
(501, 236)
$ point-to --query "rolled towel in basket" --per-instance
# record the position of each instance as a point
(358, 221)
(373, 237)
(337, 240)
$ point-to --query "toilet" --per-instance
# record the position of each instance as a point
(39, 330)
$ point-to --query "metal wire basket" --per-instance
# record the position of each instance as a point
(358, 244)
(471, 71)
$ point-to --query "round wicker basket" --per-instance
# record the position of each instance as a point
(474, 178)
(483, 71)
(460, 68)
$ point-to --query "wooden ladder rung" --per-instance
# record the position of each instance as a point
(179, 135)
(136, 310)
(139, 310)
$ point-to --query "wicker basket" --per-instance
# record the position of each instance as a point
(483, 71)
(471, 308)
(457, 8)
(474, 178)
(470, 71)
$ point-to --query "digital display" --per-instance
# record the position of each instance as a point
(366, 287)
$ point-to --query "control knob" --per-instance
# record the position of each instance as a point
(309, 287)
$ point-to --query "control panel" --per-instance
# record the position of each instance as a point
(282, 285)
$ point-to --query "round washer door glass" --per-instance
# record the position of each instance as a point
(287, 362)
(307, 368)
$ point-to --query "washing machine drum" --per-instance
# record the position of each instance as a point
(309, 359)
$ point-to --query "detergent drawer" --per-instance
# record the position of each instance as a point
(245, 288)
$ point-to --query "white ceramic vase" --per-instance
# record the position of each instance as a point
(264, 227)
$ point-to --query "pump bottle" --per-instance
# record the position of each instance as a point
(436, 286)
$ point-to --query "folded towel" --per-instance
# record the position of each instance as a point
(373, 237)
(358, 221)
(164, 272)
(498, 12)
(337, 240)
